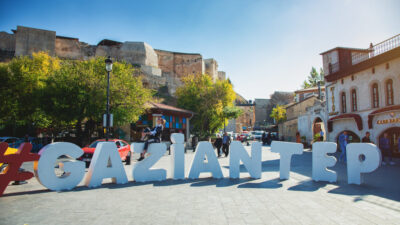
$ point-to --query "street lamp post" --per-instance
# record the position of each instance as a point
(109, 64)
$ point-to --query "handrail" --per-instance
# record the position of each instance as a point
(377, 49)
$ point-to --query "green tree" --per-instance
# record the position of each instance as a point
(47, 92)
(278, 114)
(313, 79)
(77, 93)
(211, 102)
(22, 80)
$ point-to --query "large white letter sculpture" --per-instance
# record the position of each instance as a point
(178, 156)
(141, 171)
(286, 150)
(253, 164)
(205, 149)
(356, 166)
(320, 160)
(99, 167)
(44, 170)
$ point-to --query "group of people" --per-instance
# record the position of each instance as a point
(223, 142)
(384, 145)
(266, 138)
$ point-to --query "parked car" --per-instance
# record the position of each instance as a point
(13, 142)
(258, 134)
(37, 144)
(245, 136)
(124, 150)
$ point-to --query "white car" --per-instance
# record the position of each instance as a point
(258, 134)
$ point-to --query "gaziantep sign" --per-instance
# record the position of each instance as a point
(106, 162)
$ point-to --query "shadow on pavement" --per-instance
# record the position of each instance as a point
(383, 182)
(271, 184)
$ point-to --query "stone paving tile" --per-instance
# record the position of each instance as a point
(210, 201)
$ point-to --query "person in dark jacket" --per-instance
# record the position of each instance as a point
(154, 136)
(269, 138)
(218, 144)
(226, 141)
(384, 145)
(343, 140)
(367, 138)
(264, 138)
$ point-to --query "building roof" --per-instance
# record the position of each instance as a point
(163, 107)
(308, 90)
(369, 63)
(108, 42)
(346, 48)
(70, 38)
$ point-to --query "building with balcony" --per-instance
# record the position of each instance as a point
(363, 91)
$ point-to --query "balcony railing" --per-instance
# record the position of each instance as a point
(377, 49)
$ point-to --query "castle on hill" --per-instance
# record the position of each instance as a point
(160, 68)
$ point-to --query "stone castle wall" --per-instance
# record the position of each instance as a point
(159, 67)
(178, 64)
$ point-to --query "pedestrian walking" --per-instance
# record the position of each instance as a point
(226, 141)
(384, 145)
(154, 136)
(263, 138)
(269, 138)
(218, 144)
(343, 139)
(366, 138)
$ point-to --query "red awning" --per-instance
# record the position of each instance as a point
(378, 111)
(356, 117)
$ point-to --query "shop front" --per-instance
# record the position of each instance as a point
(177, 121)
(386, 120)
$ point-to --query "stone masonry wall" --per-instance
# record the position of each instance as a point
(68, 48)
(29, 40)
(159, 67)
(179, 65)
(7, 46)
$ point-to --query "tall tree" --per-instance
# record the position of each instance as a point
(22, 79)
(278, 114)
(314, 77)
(211, 102)
(77, 93)
(53, 93)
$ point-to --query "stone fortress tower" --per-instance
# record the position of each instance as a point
(159, 68)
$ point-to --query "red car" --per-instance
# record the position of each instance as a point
(124, 150)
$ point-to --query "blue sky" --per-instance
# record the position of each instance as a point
(263, 46)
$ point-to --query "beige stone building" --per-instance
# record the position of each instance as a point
(363, 91)
(288, 129)
(246, 121)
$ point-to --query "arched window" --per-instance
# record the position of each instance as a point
(343, 100)
(375, 96)
(353, 100)
(389, 92)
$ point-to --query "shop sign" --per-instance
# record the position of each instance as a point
(106, 162)
(386, 121)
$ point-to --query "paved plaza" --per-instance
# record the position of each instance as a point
(268, 200)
